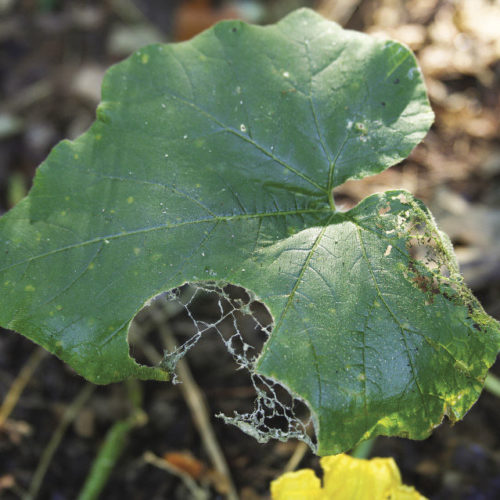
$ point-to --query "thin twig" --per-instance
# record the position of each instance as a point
(20, 383)
(29, 95)
(196, 402)
(297, 456)
(199, 410)
(196, 492)
(55, 440)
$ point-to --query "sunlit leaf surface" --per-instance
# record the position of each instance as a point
(215, 159)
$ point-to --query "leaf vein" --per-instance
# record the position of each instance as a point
(395, 318)
(247, 139)
(221, 218)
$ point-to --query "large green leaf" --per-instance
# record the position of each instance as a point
(216, 159)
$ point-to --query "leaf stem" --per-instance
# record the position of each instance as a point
(363, 449)
(492, 384)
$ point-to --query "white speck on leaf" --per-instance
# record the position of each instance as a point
(411, 73)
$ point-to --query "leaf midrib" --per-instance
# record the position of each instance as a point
(123, 234)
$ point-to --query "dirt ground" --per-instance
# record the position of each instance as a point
(53, 54)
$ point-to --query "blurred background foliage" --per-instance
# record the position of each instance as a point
(53, 54)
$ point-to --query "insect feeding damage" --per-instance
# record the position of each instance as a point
(197, 311)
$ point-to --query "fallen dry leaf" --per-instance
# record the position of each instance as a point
(186, 462)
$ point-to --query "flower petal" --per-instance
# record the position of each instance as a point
(300, 485)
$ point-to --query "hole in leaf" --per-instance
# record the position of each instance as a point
(229, 327)
(193, 313)
(461, 242)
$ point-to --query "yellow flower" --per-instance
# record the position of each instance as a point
(345, 478)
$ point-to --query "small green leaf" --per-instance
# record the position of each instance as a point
(221, 153)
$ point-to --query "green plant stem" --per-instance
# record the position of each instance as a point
(492, 384)
(364, 449)
(113, 445)
(105, 460)
(134, 393)
(55, 440)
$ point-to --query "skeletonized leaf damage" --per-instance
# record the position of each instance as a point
(215, 160)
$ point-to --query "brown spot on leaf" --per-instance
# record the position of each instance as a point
(427, 284)
(384, 210)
